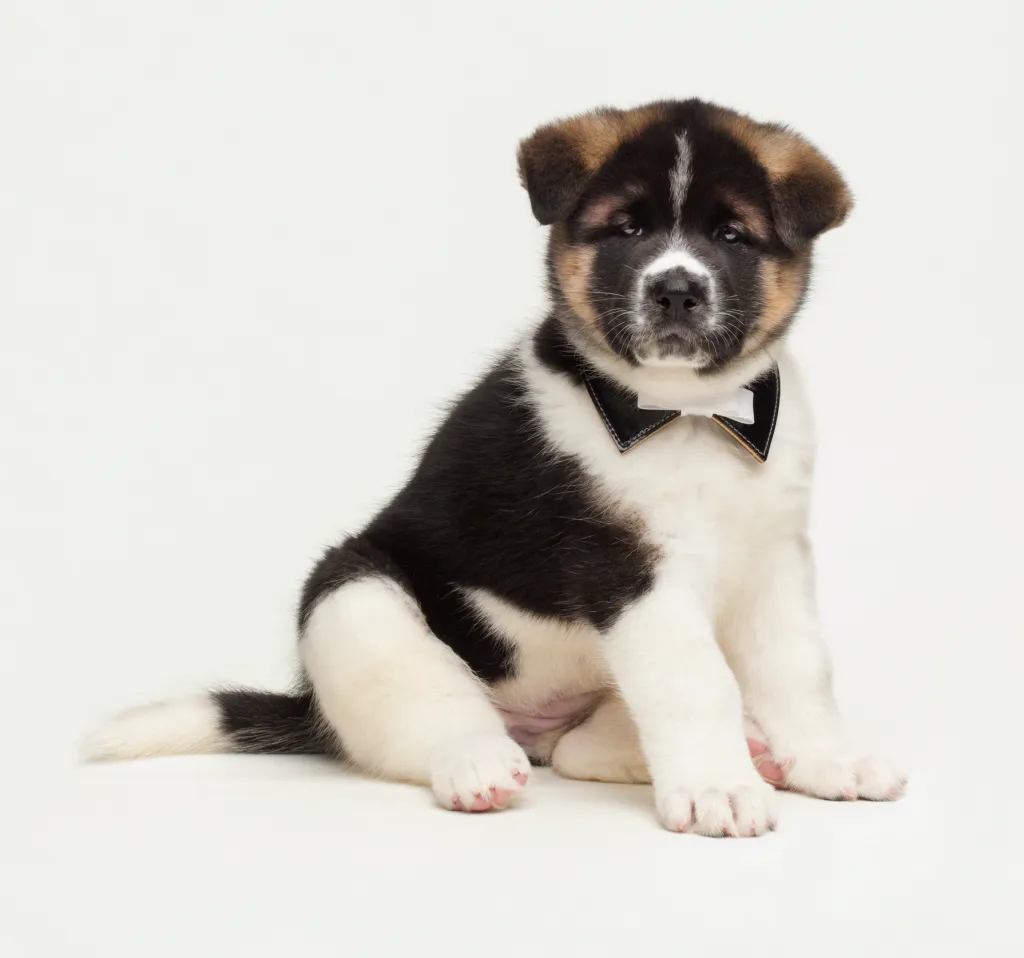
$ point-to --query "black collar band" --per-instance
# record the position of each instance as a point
(629, 425)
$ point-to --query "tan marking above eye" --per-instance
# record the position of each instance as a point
(602, 211)
(748, 216)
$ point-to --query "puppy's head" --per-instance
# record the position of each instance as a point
(681, 231)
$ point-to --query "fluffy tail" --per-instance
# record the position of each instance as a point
(226, 720)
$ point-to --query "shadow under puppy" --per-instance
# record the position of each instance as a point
(601, 560)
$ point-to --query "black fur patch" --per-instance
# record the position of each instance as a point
(272, 722)
(492, 507)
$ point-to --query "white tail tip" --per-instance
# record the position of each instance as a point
(181, 727)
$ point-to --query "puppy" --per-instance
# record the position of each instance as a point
(601, 561)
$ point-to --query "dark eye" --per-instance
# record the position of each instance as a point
(631, 228)
(728, 234)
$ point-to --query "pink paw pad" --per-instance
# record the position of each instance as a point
(521, 777)
(480, 804)
(500, 797)
(770, 770)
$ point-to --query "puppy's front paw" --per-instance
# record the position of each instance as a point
(878, 781)
(479, 773)
(844, 779)
(742, 811)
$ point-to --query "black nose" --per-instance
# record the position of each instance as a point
(678, 295)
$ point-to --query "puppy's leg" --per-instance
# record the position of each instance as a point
(685, 702)
(604, 748)
(403, 704)
(776, 651)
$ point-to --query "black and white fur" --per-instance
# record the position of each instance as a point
(665, 593)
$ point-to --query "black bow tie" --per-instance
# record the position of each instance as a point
(628, 424)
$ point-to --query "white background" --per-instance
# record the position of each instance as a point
(249, 249)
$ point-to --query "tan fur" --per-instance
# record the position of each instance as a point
(601, 211)
(574, 264)
(594, 136)
(750, 215)
(779, 150)
(783, 283)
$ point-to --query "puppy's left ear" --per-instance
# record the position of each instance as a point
(809, 195)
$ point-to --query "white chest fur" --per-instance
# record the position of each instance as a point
(690, 483)
(698, 494)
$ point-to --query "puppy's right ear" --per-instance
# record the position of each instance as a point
(557, 162)
(809, 195)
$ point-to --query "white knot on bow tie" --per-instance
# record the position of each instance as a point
(737, 405)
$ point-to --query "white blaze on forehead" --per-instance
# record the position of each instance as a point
(676, 257)
(681, 175)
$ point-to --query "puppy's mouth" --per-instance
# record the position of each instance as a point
(696, 346)
(673, 348)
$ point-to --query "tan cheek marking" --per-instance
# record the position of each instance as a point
(573, 268)
(782, 284)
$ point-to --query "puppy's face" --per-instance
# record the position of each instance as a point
(681, 232)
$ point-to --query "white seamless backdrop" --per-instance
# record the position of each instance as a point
(248, 250)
